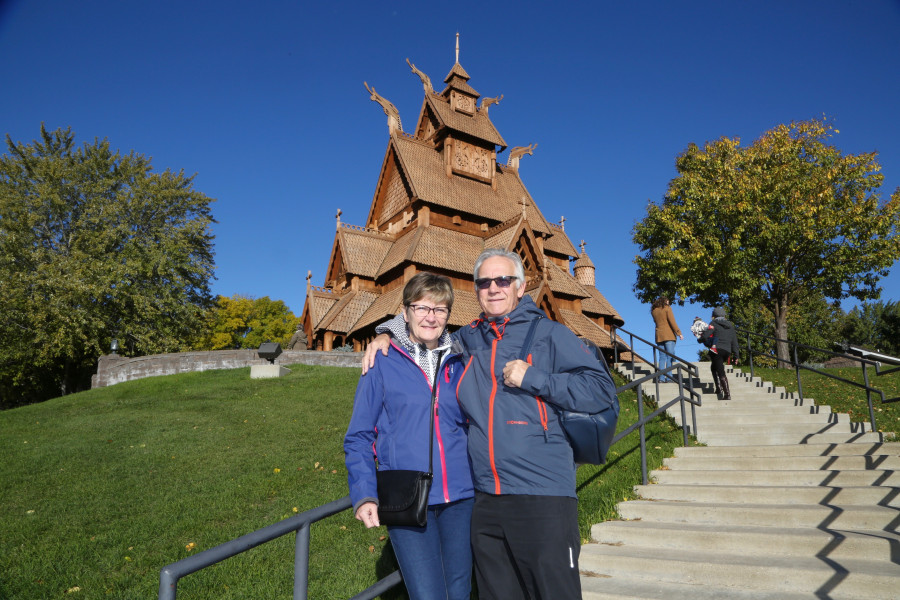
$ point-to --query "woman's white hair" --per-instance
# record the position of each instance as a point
(518, 268)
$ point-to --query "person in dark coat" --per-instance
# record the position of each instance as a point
(721, 338)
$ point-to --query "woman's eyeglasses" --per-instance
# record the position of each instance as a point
(483, 283)
(420, 310)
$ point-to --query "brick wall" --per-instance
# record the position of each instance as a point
(112, 369)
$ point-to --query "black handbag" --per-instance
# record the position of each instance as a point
(403, 494)
(589, 434)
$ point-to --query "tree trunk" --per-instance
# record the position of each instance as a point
(782, 350)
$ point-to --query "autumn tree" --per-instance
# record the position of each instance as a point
(243, 322)
(785, 219)
(94, 245)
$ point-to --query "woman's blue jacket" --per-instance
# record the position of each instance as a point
(390, 422)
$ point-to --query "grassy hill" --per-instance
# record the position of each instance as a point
(102, 489)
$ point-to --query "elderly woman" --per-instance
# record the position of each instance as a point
(392, 411)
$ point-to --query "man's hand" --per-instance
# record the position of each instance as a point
(381, 342)
(368, 514)
(514, 372)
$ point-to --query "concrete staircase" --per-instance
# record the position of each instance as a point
(787, 501)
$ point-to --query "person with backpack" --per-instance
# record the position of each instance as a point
(525, 537)
(721, 338)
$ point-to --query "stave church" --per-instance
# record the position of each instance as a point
(441, 198)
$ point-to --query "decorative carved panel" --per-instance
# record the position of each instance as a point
(471, 160)
(462, 103)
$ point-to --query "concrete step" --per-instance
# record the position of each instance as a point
(776, 438)
(787, 501)
(847, 578)
(595, 587)
(767, 417)
(769, 400)
(783, 515)
(757, 494)
(783, 477)
(832, 544)
(857, 449)
(778, 463)
(724, 408)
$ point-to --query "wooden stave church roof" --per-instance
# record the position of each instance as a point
(417, 167)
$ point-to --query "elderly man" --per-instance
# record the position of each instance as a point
(525, 536)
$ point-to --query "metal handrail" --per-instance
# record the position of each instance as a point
(798, 367)
(170, 575)
(168, 580)
(685, 372)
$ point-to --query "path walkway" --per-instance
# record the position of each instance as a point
(787, 501)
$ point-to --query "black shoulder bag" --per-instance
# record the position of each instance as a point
(590, 434)
(403, 494)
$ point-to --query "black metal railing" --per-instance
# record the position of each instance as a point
(683, 372)
(864, 357)
(168, 580)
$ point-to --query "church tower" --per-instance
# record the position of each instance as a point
(441, 199)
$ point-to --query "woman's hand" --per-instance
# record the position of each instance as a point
(381, 343)
(368, 514)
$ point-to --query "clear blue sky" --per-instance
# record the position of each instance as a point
(265, 103)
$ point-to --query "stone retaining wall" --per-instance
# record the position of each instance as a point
(112, 368)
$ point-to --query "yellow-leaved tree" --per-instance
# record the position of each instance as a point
(243, 322)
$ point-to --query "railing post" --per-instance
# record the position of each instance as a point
(869, 397)
(750, 354)
(797, 369)
(644, 478)
(301, 563)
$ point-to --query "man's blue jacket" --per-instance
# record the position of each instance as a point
(516, 443)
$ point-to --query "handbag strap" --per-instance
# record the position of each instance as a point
(434, 386)
(529, 337)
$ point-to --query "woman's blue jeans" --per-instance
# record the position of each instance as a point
(436, 560)
(666, 360)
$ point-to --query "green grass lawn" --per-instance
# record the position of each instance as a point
(842, 397)
(102, 489)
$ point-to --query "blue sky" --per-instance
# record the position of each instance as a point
(265, 103)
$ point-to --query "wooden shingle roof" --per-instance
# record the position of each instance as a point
(598, 304)
(363, 250)
(563, 283)
(446, 249)
(559, 242)
(584, 327)
(347, 311)
(399, 252)
(387, 305)
(477, 125)
(320, 302)
(427, 176)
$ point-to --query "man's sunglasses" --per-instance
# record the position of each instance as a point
(483, 283)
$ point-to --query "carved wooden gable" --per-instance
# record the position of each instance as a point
(393, 193)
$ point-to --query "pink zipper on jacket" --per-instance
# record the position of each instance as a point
(437, 420)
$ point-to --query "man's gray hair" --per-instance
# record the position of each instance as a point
(518, 269)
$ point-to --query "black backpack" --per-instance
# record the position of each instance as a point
(590, 434)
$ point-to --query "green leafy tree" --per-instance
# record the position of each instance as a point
(814, 322)
(242, 322)
(874, 326)
(787, 218)
(94, 245)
